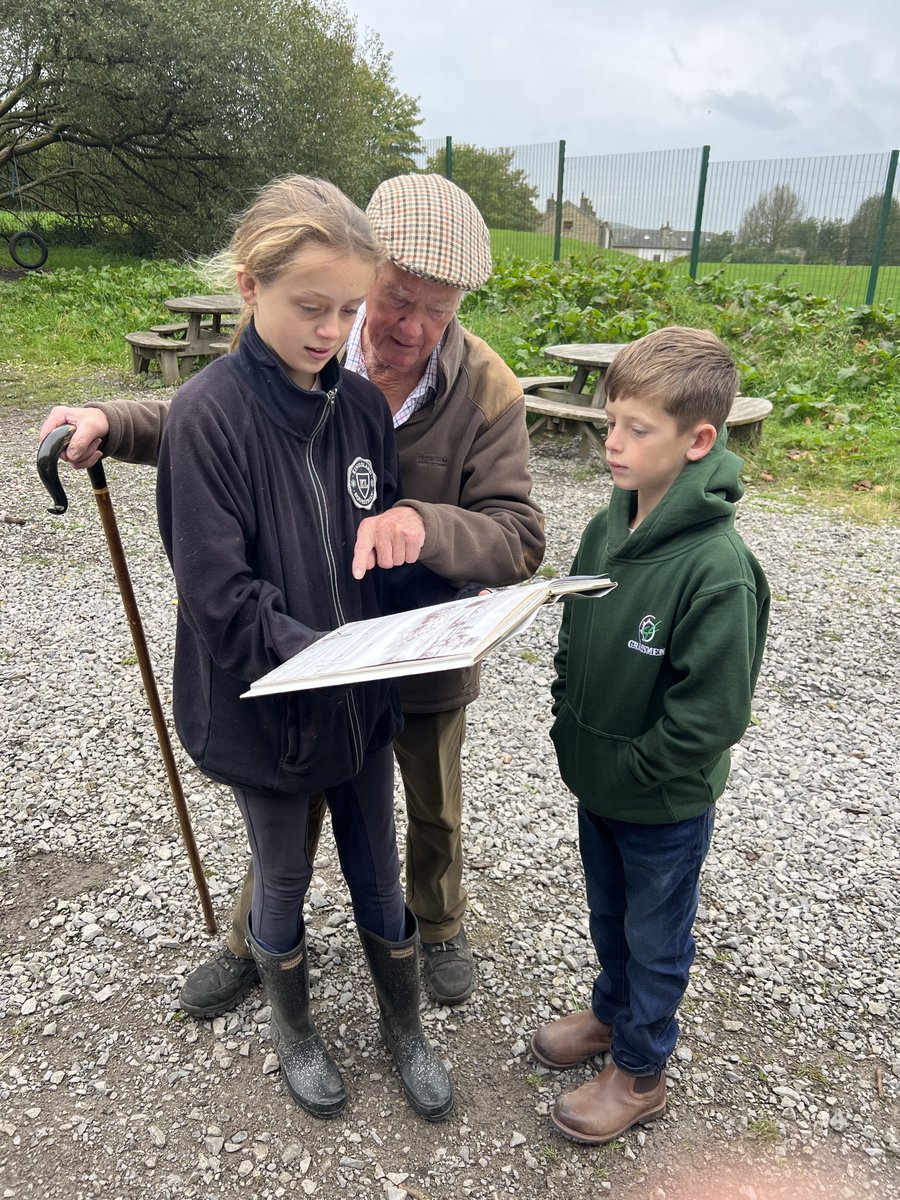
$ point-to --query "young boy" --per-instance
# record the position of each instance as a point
(653, 687)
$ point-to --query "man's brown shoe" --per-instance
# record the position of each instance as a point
(604, 1107)
(571, 1040)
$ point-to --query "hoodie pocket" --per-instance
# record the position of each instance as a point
(589, 761)
(592, 763)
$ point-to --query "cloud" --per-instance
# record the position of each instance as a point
(676, 58)
(754, 81)
(748, 109)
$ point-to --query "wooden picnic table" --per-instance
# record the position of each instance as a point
(561, 398)
(586, 358)
(196, 308)
(553, 400)
(176, 346)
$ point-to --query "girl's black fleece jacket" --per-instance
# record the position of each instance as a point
(260, 492)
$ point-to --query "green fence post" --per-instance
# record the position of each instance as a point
(698, 215)
(878, 248)
(448, 158)
(557, 224)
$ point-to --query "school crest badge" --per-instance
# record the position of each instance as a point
(362, 483)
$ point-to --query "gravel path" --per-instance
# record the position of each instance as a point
(786, 1081)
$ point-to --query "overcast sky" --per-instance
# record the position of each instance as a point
(750, 78)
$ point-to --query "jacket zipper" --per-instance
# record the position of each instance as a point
(322, 509)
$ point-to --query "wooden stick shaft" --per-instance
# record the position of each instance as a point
(123, 579)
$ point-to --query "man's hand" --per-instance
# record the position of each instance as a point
(91, 427)
(388, 540)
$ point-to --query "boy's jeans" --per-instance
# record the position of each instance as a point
(643, 888)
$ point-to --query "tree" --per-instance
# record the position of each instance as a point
(831, 242)
(112, 90)
(766, 219)
(112, 111)
(393, 140)
(800, 235)
(326, 104)
(863, 232)
(502, 193)
(717, 246)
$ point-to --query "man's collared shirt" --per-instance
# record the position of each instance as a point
(421, 393)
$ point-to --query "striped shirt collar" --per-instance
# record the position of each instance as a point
(421, 393)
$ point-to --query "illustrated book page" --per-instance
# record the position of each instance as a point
(438, 638)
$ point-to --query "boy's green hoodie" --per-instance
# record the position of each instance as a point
(654, 684)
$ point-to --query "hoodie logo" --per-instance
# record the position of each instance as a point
(362, 483)
(648, 628)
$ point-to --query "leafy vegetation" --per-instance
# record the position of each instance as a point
(74, 316)
(845, 284)
(832, 371)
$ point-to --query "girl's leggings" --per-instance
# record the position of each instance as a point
(362, 817)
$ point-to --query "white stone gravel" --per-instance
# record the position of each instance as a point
(788, 1073)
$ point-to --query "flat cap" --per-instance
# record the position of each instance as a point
(432, 229)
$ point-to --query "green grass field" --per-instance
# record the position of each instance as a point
(540, 246)
(847, 285)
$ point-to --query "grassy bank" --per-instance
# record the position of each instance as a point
(74, 316)
(832, 372)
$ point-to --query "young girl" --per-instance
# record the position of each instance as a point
(270, 459)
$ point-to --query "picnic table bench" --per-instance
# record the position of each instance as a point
(175, 358)
(551, 411)
(744, 422)
(555, 399)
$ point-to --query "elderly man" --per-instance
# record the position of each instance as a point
(459, 417)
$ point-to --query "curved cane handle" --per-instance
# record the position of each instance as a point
(48, 467)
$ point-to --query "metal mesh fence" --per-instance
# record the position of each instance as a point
(429, 148)
(645, 202)
(821, 224)
(812, 222)
(510, 185)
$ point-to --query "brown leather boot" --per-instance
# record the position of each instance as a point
(604, 1107)
(571, 1040)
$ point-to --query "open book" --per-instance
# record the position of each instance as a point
(457, 634)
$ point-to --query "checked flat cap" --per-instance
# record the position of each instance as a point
(432, 229)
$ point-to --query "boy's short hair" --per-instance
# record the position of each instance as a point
(690, 372)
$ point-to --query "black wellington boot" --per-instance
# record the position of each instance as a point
(308, 1069)
(395, 972)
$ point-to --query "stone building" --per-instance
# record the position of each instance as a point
(579, 221)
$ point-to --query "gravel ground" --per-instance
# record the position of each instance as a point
(786, 1082)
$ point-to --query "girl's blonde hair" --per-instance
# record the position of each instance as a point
(287, 215)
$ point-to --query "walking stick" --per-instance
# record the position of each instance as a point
(48, 469)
